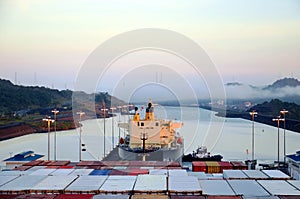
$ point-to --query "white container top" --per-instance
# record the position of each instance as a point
(87, 183)
(247, 188)
(151, 183)
(216, 188)
(279, 187)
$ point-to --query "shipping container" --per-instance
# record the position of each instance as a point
(225, 166)
(53, 184)
(224, 197)
(149, 196)
(51, 167)
(58, 163)
(35, 196)
(6, 179)
(279, 187)
(100, 172)
(137, 171)
(62, 172)
(9, 196)
(90, 163)
(120, 167)
(119, 172)
(75, 196)
(44, 172)
(295, 183)
(66, 167)
(14, 173)
(255, 174)
(261, 197)
(34, 168)
(177, 172)
(186, 197)
(111, 196)
(216, 188)
(239, 165)
(276, 174)
(21, 184)
(118, 184)
(158, 172)
(174, 164)
(81, 172)
(86, 184)
(234, 174)
(33, 163)
(184, 185)
(150, 184)
(199, 175)
(22, 168)
(289, 197)
(199, 166)
(212, 167)
(247, 188)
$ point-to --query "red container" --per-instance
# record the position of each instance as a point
(33, 163)
(90, 163)
(174, 164)
(22, 168)
(225, 166)
(58, 163)
(66, 167)
(199, 166)
(161, 164)
(239, 165)
(52, 167)
(136, 171)
(119, 172)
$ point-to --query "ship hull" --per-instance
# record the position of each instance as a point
(172, 154)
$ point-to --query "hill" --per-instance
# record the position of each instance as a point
(22, 108)
(285, 82)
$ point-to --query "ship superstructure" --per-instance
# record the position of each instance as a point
(151, 138)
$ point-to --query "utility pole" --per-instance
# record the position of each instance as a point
(284, 143)
(80, 113)
(278, 120)
(49, 121)
(55, 112)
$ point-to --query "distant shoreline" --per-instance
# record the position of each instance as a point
(292, 125)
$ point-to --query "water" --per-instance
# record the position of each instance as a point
(234, 137)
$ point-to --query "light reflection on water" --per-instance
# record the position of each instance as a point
(235, 137)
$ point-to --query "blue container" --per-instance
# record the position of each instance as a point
(100, 172)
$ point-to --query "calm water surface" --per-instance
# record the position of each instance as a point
(229, 137)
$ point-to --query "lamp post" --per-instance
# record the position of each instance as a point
(55, 112)
(48, 120)
(124, 107)
(120, 108)
(278, 120)
(80, 113)
(112, 126)
(104, 116)
(253, 113)
(283, 112)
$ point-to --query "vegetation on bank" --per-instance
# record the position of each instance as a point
(268, 111)
(22, 108)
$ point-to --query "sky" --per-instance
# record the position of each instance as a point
(46, 42)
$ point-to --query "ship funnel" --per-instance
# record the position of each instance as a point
(149, 112)
(136, 115)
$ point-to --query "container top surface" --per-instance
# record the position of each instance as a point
(216, 187)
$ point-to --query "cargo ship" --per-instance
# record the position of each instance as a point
(151, 138)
